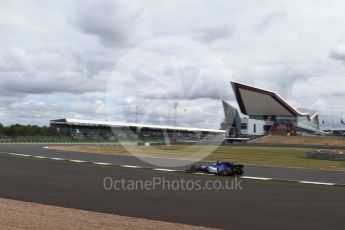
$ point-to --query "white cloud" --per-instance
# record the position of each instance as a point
(170, 69)
(56, 56)
(119, 23)
(338, 52)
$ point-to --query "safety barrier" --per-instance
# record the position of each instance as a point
(56, 141)
(337, 155)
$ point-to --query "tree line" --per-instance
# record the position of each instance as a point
(27, 130)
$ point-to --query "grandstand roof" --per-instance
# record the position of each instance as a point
(311, 113)
(256, 101)
(124, 124)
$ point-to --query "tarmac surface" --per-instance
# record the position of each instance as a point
(297, 174)
(259, 205)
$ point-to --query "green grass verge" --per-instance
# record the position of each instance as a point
(272, 156)
(311, 140)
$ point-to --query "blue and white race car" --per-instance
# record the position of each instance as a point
(218, 168)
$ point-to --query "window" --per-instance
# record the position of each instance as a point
(254, 128)
(267, 128)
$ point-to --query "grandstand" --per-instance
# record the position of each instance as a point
(263, 112)
(104, 130)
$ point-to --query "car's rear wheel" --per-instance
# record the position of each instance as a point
(227, 172)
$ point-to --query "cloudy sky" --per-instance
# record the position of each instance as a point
(135, 59)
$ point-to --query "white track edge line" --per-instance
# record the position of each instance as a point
(130, 166)
(78, 161)
(101, 163)
(207, 174)
(57, 158)
(18, 154)
(166, 170)
(256, 178)
(173, 170)
(40, 157)
(315, 182)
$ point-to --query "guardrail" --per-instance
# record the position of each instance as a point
(140, 142)
(320, 155)
(55, 141)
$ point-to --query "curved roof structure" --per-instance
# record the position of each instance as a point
(311, 113)
(256, 101)
(123, 124)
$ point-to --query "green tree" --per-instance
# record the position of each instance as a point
(27, 130)
(1, 130)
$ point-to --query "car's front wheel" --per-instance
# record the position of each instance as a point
(240, 173)
(193, 169)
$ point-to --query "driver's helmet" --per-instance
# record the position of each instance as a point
(218, 162)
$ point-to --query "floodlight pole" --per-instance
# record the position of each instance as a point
(175, 107)
(136, 114)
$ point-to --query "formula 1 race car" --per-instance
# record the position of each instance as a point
(219, 168)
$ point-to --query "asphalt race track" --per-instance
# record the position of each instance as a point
(259, 205)
(326, 176)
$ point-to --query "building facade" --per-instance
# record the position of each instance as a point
(266, 112)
